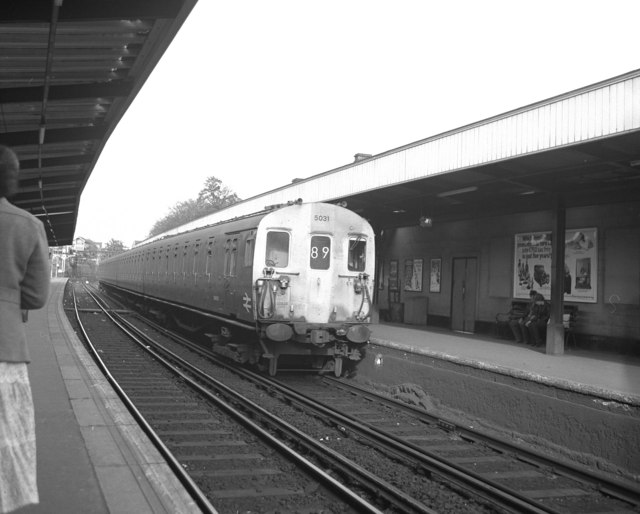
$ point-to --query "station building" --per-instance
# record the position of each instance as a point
(467, 220)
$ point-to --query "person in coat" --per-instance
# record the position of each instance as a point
(537, 320)
(24, 285)
(516, 323)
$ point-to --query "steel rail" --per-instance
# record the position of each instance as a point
(606, 485)
(194, 491)
(496, 494)
(307, 442)
(468, 480)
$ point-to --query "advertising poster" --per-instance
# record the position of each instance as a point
(581, 265)
(413, 275)
(532, 266)
(434, 280)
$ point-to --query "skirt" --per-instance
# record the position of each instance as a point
(18, 486)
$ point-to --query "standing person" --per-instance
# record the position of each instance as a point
(537, 320)
(24, 284)
(520, 332)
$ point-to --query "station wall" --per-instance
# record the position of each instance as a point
(614, 318)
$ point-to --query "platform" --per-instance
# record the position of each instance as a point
(605, 375)
(92, 456)
(582, 406)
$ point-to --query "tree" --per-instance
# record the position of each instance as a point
(114, 247)
(213, 197)
(216, 195)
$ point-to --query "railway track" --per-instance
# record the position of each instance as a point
(470, 458)
(227, 461)
(403, 461)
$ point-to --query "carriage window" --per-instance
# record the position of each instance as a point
(357, 253)
(248, 251)
(234, 257)
(277, 249)
(230, 257)
(320, 252)
(208, 266)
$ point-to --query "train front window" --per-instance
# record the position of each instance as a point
(357, 253)
(320, 252)
(277, 254)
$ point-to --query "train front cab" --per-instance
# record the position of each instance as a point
(313, 285)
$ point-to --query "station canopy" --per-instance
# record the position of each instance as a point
(69, 69)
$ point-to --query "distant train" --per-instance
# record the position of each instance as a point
(300, 277)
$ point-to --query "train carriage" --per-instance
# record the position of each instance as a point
(300, 277)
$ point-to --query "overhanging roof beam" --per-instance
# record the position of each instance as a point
(30, 11)
(114, 88)
(52, 162)
(31, 137)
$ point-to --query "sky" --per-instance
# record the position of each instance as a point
(259, 93)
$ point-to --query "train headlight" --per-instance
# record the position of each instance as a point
(284, 281)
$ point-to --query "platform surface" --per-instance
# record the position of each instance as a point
(607, 375)
(92, 456)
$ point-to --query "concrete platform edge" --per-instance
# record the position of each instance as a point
(118, 448)
(511, 372)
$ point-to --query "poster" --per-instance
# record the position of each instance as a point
(413, 275)
(434, 282)
(581, 265)
(532, 265)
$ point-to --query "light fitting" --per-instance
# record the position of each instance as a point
(453, 192)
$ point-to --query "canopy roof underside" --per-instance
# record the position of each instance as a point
(69, 70)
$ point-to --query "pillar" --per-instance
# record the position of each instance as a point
(555, 328)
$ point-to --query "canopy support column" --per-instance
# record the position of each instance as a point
(555, 328)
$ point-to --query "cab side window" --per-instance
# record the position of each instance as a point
(357, 254)
(277, 254)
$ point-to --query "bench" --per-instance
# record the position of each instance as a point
(517, 310)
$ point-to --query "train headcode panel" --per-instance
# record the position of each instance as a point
(320, 252)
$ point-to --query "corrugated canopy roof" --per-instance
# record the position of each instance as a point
(69, 69)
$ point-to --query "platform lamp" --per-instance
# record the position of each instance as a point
(426, 222)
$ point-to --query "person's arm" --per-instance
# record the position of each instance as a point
(34, 289)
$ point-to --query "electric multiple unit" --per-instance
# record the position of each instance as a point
(300, 277)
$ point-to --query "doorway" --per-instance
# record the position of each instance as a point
(464, 293)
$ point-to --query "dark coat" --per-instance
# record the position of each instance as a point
(24, 277)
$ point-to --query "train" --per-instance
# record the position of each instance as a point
(287, 287)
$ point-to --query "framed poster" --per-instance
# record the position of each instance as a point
(532, 265)
(581, 265)
(413, 275)
(435, 275)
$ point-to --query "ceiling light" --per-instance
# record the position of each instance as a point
(469, 189)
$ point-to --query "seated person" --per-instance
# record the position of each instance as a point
(537, 320)
(517, 324)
